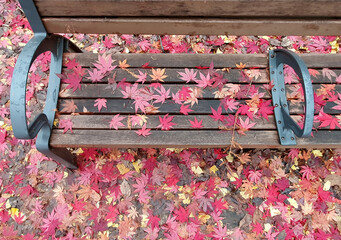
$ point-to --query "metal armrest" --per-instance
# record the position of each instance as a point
(286, 126)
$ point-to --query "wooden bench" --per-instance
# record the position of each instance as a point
(91, 127)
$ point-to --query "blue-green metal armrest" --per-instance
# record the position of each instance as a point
(286, 126)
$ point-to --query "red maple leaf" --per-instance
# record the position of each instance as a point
(116, 122)
(112, 213)
(184, 109)
(74, 80)
(66, 124)
(50, 224)
(217, 114)
(166, 122)
(265, 109)
(185, 93)
(100, 102)
(181, 214)
(245, 110)
(154, 221)
(324, 196)
(71, 63)
(143, 132)
(257, 228)
(195, 123)
(327, 120)
(188, 75)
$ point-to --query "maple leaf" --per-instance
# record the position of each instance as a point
(217, 114)
(254, 176)
(163, 95)
(244, 125)
(144, 45)
(100, 102)
(95, 75)
(185, 93)
(50, 224)
(328, 73)
(230, 104)
(313, 72)
(323, 195)
(74, 80)
(112, 213)
(257, 228)
(240, 65)
(123, 64)
(265, 109)
(220, 232)
(158, 74)
(69, 106)
(141, 103)
(188, 75)
(153, 221)
(307, 172)
(327, 120)
(130, 91)
(165, 122)
(143, 132)
(184, 109)
(66, 124)
(71, 63)
(181, 214)
(338, 103)
(104, 63)
(195, 123)
(204, 80)
(141, 77)
(116, 122)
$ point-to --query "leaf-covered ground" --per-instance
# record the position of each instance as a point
(162, 193)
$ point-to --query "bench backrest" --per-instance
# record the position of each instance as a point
(234, 17)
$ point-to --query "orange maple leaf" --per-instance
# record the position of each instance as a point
(158, 74)
(123, 64)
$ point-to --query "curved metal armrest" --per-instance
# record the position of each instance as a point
(38, 44)
(285, 124)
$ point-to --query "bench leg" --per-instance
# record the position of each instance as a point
(43, 123)
(286, 126)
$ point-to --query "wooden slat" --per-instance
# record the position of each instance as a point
(233, 76)
(182, 122)
(193, 26)
(312, 60)
(104, 91)
(125, 106)
(186, 139)
(201, 8)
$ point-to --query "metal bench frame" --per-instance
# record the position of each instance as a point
(42, 125)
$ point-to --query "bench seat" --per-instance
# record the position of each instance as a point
(91, 127)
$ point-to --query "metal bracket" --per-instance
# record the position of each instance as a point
(286, 126)
(43, 123)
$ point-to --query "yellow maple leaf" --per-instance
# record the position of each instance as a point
(240, 65)
(123, 64)
(158, 74)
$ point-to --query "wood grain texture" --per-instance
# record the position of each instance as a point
(312, 60)
(126, 106)
(152, 122)
(201, 8)
(194, 26)
(187, 139)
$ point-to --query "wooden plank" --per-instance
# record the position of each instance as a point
(125, 106)
(152, 122)
(194, 26)
(105, 91)
(233, 76)
(187, 139)
(173, 76)
(312, 60)
(201, 8)
(181, 60)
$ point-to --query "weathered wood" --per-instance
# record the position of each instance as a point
(187, 139)
(312, 60)
(233, 76)
(200, 8)
(152, 122)
(126, 106)
(104, 91)
(194, 26)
